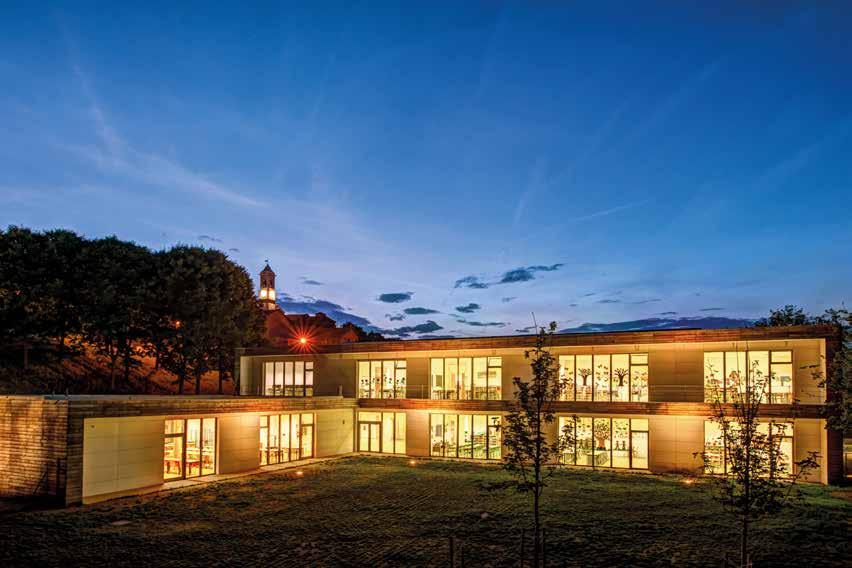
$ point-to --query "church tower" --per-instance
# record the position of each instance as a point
(267, 288)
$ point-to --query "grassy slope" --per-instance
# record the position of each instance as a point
(381, 511)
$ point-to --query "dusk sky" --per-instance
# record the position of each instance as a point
(464, 164)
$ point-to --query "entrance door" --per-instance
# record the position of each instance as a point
(370, 436)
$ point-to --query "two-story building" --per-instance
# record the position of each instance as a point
(632, 400)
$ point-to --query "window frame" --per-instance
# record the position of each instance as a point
(381, 424)
(201, 439)
(297, 445)
(400, 378)
(771, 363)
(789, 425)
(467, 389)
(490, 428)
(286, 371)
(631, 365)
(631, 430)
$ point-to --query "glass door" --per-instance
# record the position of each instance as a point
(306, 442)
(369, 436)
(173, 450)
(189, 448)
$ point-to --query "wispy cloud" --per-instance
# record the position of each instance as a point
(117, 156)
(395, 317)
(469, 308)
(407, 330)
(508, 299)
(310, 281)
(208, 238)
(483, 323)
(420, 311)
(711, 309)
(609, 301)
(605, 212)
(522, 274)
(395, 297)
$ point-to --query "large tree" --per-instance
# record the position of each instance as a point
(118, 273)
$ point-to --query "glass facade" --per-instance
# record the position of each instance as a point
(288, 378)
(610, 378)
(715, 445)
(382, 379)
(286, 437)
(726, 374)
(475, 436)
(605, 442)
(189, 448)
(466, 378)
(381, 432)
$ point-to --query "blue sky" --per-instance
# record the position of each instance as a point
(587, 164)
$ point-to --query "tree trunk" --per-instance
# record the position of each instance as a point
(60, 355)
(113, 359)
(181, 380)
(197, 384)
(744, 542)
(536, 529)
(221, 374)
(127, 356)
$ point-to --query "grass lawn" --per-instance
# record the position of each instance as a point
(382, 511)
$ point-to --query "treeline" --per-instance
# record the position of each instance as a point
(64, 298)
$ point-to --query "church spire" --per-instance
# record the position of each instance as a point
(267, 288)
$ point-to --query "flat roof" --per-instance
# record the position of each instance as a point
(822, 331)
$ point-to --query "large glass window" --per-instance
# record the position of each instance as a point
(474, 436)
(726, 374)
(288, 378)
(605, 442)
(382, 379)
(716, 446)
(621, 377)
(467, 378)
(189, 448)
(381, 432)
(286, 437)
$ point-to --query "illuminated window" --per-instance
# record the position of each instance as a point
(288, 378)
(777, 434)
(467, 378)
(381, 432)
(382, 379)
(619, 377)
(286, 437)
(728, 374)
(474, 436)
(189, 448)
(605, 442)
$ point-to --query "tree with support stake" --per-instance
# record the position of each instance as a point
(756, 478)
(531, 457)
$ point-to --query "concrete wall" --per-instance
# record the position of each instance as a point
(672, 443)
(239, 442)
(120, 454)
(334, 432)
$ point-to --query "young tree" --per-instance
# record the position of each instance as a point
(530, 456)
(758, 478)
